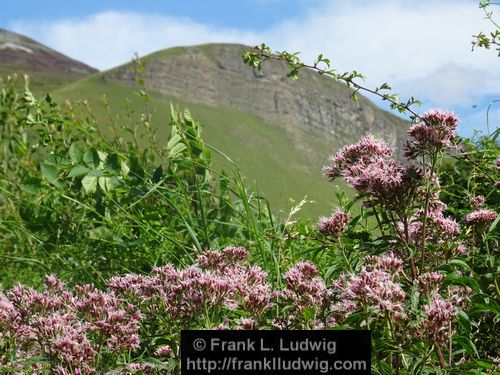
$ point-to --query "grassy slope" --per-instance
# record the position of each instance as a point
(41, 83)
(262, 150)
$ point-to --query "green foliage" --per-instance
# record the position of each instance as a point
(482, 40)
(87, 207)
(91, 207)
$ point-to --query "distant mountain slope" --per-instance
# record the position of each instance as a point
(48, 68)
(314, 105)
(279, 131)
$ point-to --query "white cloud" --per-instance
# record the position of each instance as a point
(421, 48)
(454, 85)
(111, 38)
(401, 42)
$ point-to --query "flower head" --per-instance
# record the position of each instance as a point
(480, 217)
(477, 202)
(334, 225)
(366, 149)
(435, 132)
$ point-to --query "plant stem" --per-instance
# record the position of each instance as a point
(491, 264)
(345, 255)
(357, 86)
(426, 212)
(440, 355)
(379, 223)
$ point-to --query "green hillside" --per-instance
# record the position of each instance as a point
(279, 131)
(265, 154)
(47, 68)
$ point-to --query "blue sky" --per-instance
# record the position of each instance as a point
(421, 48)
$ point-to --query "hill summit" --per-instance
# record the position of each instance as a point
(22, 52)
(215, 75)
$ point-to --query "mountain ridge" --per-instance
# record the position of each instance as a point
(279, 131)
(214, 74)
(17, 49)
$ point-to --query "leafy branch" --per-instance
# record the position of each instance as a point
(258, 54)
(481, 39)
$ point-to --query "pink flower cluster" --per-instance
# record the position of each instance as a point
(439, 228)
(480, 217)
(367, 167)
(334, 225)
(71, 331)
(304, 287)
(434, 326)
(438, 313)
(375, 288)
(304, 291)
(367, 149)
(435, 132)
(477, 201)
(430, 282)
(180, 296)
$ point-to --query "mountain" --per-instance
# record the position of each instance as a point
(312, 106)
(47, 68)
(279, 131)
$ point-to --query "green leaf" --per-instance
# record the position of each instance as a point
(50, 174)
(104, 234)
(466, 344)
(175, 151)
(494, 224)
(479, 307)
(89, 184)
(467, 281)
(108, 183)
(77, 171)
(309, 313)
(464, 321)
(102, 155)
(75, 154)
(415, 297)
(460, 263)
(125, 168)
(91, 158)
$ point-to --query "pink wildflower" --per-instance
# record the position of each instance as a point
(438, 314)
(334, 225)
(480, 217)
(430, 282)
(372, 288)
(303, 287)
(365, 150)
(247, 323)
(163, 351)
(477, 202)
(389, 263)
(435, 132)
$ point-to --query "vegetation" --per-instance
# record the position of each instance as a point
(113, 243)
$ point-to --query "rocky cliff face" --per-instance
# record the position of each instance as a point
(17, 51)
(215, 75)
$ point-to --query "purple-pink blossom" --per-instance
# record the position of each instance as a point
(480, 217)
(435, 132)
(304, 288)
(477, 201)
(430, 282)
(373, 289)
(334, 225)
(438, 314)
(365, 150)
